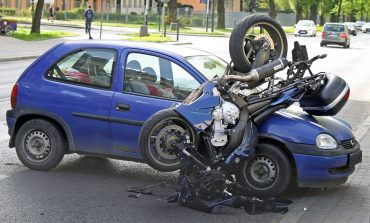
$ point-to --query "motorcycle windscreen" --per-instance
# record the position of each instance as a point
(329, 99)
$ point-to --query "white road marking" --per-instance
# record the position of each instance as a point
(5, 86)
(2, 177)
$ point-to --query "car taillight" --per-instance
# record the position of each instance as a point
(344, 36)
(13, 96)
(323, 34)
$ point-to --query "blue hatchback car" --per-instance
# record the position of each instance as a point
(93, 98)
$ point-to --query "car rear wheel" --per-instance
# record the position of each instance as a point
(267, 173)
(40, 145)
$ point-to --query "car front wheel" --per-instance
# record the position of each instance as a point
(267, 173)
(40, 145)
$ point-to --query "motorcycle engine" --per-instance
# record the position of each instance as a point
(223, 115)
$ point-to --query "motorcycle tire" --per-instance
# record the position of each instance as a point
(156, 136)
(267, 173)
(238, 45)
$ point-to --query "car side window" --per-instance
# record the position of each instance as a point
(155, 76)
(88, 67)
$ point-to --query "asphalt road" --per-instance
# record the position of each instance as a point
(88, 189)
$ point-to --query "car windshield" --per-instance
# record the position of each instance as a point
(304, 23)
(360, 23)
(334, 28)
(210, 66)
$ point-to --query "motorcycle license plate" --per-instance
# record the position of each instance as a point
(355, 158)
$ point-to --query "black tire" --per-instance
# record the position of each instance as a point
(40, 145)
(264, 184)
(237, 39)
(321, 44)
(154, 131)
(9, 30)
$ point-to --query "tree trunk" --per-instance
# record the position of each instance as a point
(313, 14)
(272, 9)
(172, 5)
(221, 14)
(299, 10)
(322, 19)
(339, 9)
(36, 22)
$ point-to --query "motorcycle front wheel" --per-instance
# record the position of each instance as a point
(243, 39)
(157, 136)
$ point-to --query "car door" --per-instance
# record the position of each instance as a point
(151, 82)
(79, 86)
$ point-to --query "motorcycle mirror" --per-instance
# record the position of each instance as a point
(322, 56)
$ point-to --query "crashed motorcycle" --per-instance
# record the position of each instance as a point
(213, 133)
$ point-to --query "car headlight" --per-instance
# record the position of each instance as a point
(326, 141)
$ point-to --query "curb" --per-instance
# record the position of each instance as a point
(7, 59)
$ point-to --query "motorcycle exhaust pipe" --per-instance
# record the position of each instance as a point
(257, 75)
(262, 72)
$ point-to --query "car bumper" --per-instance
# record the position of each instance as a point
(10, 121)
(318, 168)
(336, 42)
(304, 33)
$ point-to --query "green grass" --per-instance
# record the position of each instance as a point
(155, 38)
(24, 34)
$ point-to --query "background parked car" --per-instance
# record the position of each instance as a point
(352, 28)
(336, 34)
(366, 28)
(305, 28)
(359, 25)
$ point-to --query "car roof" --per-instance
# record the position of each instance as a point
(175, 50)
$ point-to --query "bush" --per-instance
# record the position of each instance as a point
(8, 11)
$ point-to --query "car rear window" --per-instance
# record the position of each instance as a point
(334, 28)
(87, 67)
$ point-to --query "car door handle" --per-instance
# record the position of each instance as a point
(122, 107)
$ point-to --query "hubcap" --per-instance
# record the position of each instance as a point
(261, 172)
(37, 145)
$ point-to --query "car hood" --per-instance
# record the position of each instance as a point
(300, 127)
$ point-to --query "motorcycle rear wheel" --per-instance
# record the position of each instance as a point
(156, 136)
(249, 29)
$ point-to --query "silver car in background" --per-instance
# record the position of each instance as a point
(352, 28)
(335, 33)
(366, 28)
(305, 28)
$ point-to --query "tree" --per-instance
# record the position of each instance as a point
(272, 9)
(220, 14)
(172, 6)
(36, 22)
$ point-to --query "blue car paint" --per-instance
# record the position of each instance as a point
(104, 136)
(303, 128)
(319, 166)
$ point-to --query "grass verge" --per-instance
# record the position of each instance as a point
(24, 34)
(155, 38)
